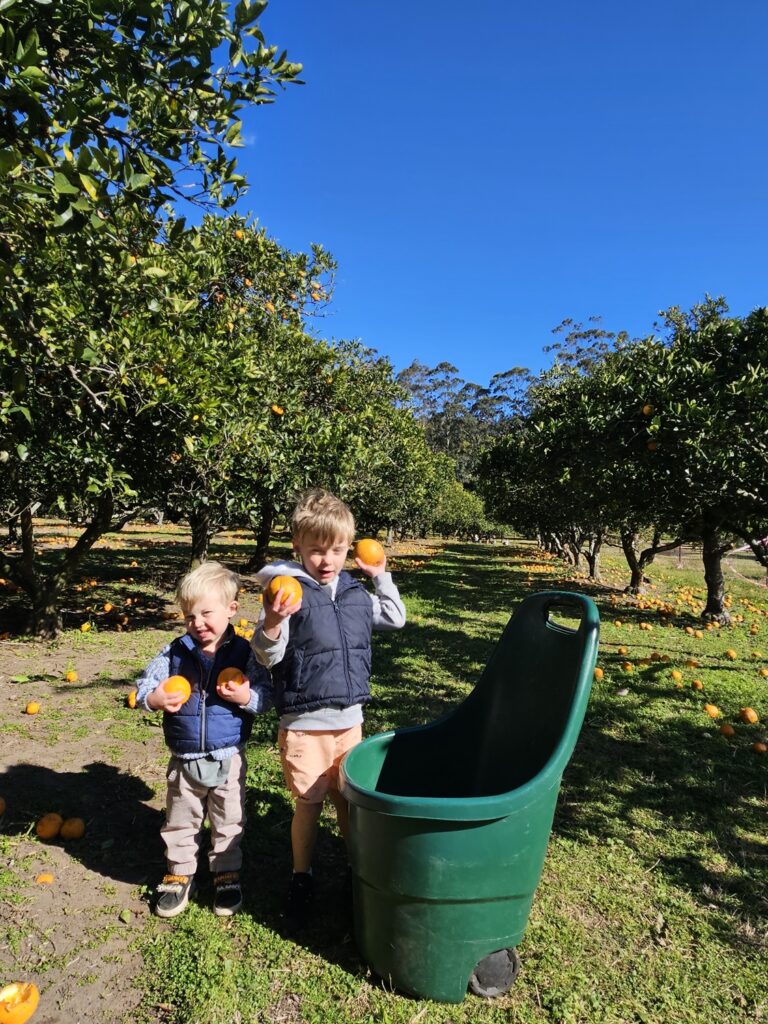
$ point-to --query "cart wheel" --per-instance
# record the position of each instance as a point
(495, 974)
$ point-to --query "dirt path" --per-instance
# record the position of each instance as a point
(74, 938)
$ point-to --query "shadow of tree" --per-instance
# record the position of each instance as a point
(122, 839)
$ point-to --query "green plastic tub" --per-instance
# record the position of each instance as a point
(449, 822)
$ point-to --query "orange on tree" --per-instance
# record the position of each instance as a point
(288, 584)
(72, 828)
(18, 1002)
(178, 684)
(49, 826)
(32, 708)
(369, 551)
(749, 715)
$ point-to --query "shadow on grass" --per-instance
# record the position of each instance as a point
(680, 793)
(122, 839)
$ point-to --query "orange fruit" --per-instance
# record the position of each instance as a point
(599, 673)
(288, 584)
(623, 651)
(676, 673)
(239, 234)
(229, 675)
(749, 715)
(712, 710)
(72, 828)
(130, 700)
(18, 1002)
(278, 410)
(760, 748)
(697, 684)
(763, 672)
(731, 654)
(178, 684)
(49, 826)
(32, 708)
(108, 607)
(369, 551)
(71, 676)
(727, 730)
(647, 409)
(627, 666)
(85, 627)
(46, 878)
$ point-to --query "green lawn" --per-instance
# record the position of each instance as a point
(652, 905)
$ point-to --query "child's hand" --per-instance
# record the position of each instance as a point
(371, 570)
(280, 608)
(235, 693)
(160, 700)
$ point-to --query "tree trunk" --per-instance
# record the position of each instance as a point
(44, 589)
(13, 532)
(630, 542)
(261, 534)
(390, 536)
(712, 554)
(202, 532)
(592, 555)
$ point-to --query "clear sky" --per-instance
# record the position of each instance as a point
(482, 171)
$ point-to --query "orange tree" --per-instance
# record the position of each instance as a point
(107, 113)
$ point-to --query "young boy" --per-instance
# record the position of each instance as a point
(318, 649)
(207, 735)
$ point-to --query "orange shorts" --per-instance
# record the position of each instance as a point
(311, 759)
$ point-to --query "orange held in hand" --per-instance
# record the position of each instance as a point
(178, 684)
(369, 551)
(18, 1002)
(288, 584)
(229, 675)
(49, 826)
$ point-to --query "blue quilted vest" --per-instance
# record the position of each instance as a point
(328, 659)
(206, 722)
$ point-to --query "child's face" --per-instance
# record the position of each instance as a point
(208, 618)
(322, 560)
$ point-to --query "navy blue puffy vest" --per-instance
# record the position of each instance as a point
(206, 722)
(328, 659)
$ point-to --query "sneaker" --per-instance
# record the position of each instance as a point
(299, 902)
(228, 896)
(173, 894)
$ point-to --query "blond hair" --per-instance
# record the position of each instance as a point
(322, 515)
(207, 577)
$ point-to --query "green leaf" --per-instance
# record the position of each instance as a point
(90, 186)
(10, 159)
(126, 916)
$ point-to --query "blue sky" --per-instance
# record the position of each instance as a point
(482, 171)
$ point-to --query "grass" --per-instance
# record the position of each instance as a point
(652, 904)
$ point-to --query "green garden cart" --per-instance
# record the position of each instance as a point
(450, 821)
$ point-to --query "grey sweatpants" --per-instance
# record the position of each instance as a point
(188, 803)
